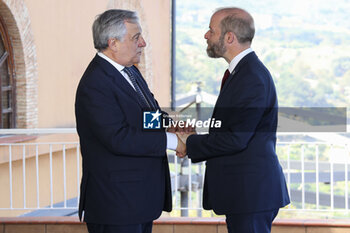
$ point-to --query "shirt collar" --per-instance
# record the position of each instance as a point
(237, 58)
(116, 65)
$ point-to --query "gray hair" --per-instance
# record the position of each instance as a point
(240, 22)
(111, 24)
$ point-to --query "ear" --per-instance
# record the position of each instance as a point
(230, 37)
(113, 44)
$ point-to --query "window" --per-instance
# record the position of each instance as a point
(7, 82)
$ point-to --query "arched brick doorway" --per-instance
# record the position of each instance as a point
(17, 22)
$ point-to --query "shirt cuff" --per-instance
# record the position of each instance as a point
(171, 139)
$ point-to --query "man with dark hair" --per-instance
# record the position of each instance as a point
(126, 182)
(243, 178)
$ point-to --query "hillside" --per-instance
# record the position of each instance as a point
(304, 44)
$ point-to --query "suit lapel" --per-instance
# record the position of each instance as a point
(145, 89)
(227, 81)
(244, 60)
(234, 76)
(118, 79)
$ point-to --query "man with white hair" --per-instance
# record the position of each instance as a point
(126, 182)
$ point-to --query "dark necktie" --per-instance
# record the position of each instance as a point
(133, 76)
(226, 75)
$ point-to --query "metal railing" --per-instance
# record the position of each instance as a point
(24, 146)
(317, 174)
(24, 158)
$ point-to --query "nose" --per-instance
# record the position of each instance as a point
(142, 42)
(206, 35)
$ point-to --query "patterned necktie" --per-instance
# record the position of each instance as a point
(226, 75)
(138, 90)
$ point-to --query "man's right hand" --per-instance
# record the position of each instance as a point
(181, 148)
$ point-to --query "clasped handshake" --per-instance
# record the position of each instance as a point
(182, 134)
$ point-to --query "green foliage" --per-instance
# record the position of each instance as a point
(341, 66)
(305, 50)
(304, 44)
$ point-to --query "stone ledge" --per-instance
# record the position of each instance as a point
(313, 222)
(40, 220)
(182, 221)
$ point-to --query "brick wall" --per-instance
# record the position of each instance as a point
(17, 20)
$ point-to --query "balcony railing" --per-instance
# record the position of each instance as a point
(43, 174)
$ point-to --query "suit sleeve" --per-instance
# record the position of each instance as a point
(239, 123)
(107, 121)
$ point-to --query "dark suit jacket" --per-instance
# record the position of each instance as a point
(125, 170)
(243, 173)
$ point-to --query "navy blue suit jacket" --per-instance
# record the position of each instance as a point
(243, 174)
(125, 170)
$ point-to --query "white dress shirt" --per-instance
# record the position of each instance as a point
(237, 58)
(118, 67)
(171, 138)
